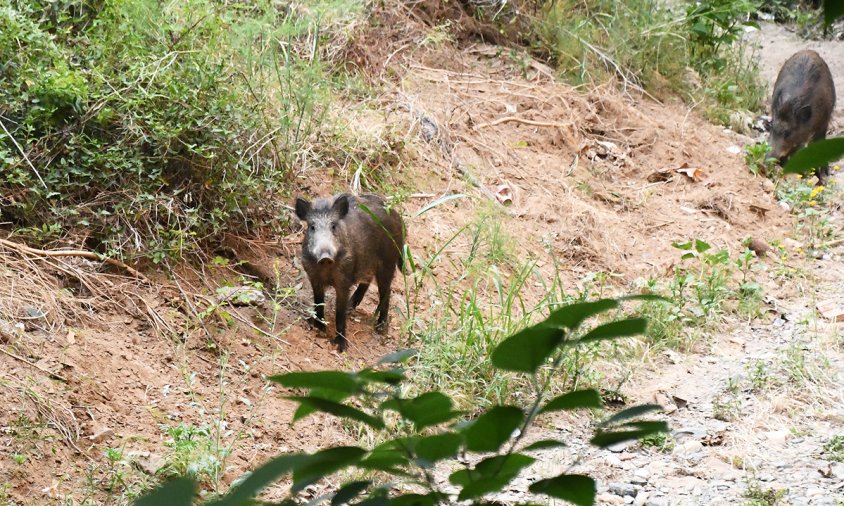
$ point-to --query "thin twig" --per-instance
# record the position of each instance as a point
(507, 119)
(74, 253)
(23, 154)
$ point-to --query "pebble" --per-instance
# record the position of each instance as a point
(688, 448)
(612, 460)
(622, 489)
(641, 498)
(608, 499)
(658, 501)
(640, 477)
(778, 437)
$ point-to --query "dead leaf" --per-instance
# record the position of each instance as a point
(693, 173)
(71, 337)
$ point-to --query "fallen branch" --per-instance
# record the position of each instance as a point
(74, 253)
(507, 119)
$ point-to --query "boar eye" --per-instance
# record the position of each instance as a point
(333, 227)
(312, 228)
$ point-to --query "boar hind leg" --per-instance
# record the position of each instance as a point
(383, 310)
(357, 297)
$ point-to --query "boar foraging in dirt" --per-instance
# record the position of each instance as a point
(350, 240)
(801, 106)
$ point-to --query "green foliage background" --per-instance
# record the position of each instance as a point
(148, 125)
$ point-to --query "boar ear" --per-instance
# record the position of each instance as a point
(303, 207)
(341, 206)
(804, 114)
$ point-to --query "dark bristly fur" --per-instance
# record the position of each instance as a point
(801, 106)
(344, 245)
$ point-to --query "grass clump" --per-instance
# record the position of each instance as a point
(695, 52)
(151, 127)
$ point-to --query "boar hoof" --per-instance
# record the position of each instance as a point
(341, 342)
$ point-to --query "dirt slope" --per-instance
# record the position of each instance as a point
(581, 169)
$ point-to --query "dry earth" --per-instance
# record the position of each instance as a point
(105, 362)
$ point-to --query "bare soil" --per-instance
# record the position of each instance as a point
(593, 180)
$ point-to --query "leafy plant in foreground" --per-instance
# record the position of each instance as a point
(492, 442)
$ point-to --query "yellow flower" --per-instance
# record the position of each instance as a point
(799, 176)
(813, 202)
(815, 191)
(836, 167)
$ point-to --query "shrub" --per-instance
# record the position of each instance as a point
(149, 129)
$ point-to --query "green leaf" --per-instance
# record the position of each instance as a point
(489, 475)
(349, 491)
(613, 330)
(629, 413)
(388, 456)
(647, 297)
(336, 409)
(574, 400)
(438, 447)
(701, 246)
(398, 357)
(493, 428)
(328, 380)
(833, 9)
(321, 464)
(574, 488)
(416, 500)
(260, 478)
(428, 409)
(544, 444)
(816, 154)
(603, 439)
(178, 492)
(391, 377)
(685, 246)
(527, 349)
(573, 315)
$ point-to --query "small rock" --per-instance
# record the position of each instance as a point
(628, 499)
(837, 470)
(619, 447)
(815, 492)
(641, 498)
(608, 499)
(100, 433)
(240, 295)
(622, 489)
(688, 448)
(640, 477)
(612, 460)
(658, 501)
(777, 437)
(147, 462)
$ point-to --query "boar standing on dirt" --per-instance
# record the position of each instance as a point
(802, 103)
(349, 240)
